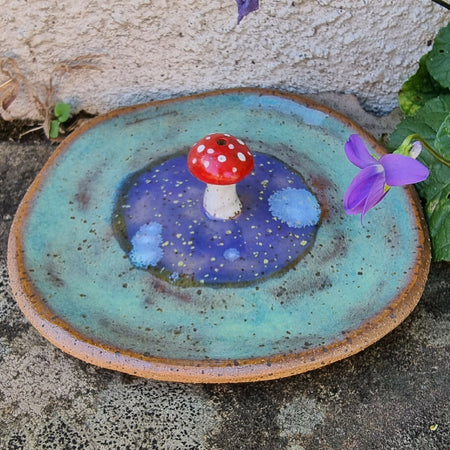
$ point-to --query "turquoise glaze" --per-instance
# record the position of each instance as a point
(77, 266)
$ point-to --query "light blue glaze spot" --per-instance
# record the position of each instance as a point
(174, 277)
(231, 254)
(295, 207)
(146, 246)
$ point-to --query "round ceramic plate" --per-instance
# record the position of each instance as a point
(73, 278)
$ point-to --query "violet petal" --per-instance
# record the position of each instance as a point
(246, 7)
(376, 194)
(355, 198)
(357, 152)
(401, 170)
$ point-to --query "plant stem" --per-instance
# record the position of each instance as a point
(430, 149)
(31, 131)
(442, 3)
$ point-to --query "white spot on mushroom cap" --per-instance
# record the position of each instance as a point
(210, 151)
(222, 158)
(200, 148)
(240, 142)
(206, 164)
(234, 169)
(241, 156)
(194, 161)
(231, 146)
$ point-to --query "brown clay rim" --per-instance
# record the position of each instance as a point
(68, 339)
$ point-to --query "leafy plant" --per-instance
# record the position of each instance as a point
(425, 101)
(52, 113)
(62, 114)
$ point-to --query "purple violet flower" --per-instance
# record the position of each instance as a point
(371, 185)
(246, 7)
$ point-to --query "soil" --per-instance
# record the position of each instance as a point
(13, 131)
(16, 130)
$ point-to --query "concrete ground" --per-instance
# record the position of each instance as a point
(393, 395)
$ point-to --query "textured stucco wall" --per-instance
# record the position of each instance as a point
(152, 49)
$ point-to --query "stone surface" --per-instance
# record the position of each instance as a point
(392, 395)
(152, 50)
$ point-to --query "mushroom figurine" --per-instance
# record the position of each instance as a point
(220, 160)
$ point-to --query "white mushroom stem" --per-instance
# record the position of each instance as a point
(222, 201)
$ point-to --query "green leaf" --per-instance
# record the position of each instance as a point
(442, 141)
(438, 60)
(54, 129)
(420, 88)
(426, 122)
(438, 216)
(62, 111)
(432, 123)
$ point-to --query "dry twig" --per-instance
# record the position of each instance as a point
(43, 96)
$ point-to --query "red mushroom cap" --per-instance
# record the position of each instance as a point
(220, 159)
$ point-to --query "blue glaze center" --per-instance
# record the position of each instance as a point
(160, 223)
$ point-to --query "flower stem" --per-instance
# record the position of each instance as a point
(442, 3)
(430, 149)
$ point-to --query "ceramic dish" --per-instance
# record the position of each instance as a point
(73, 279)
